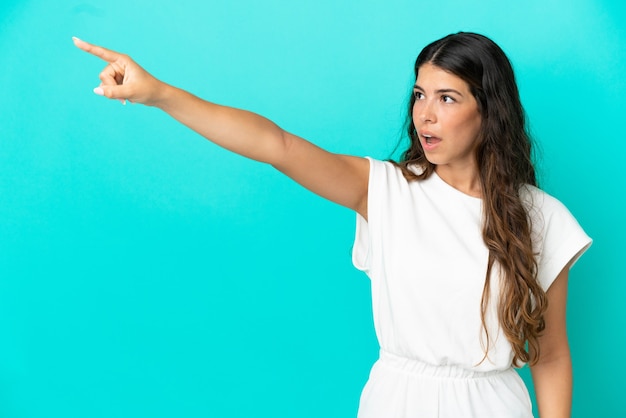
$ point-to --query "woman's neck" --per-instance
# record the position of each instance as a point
(464, 179)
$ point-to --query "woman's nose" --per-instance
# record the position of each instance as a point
(425, 112)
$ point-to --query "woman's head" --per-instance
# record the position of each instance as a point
(482, 64)
(447, 121)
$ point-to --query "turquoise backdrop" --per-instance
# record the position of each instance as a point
(144, 272)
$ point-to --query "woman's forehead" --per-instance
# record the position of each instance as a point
(432, 77)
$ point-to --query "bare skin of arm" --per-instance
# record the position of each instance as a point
(340, 178)
(552, 375)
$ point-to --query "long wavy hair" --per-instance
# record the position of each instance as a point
(504, 159)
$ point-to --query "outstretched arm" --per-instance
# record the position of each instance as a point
(552, 375)
(340, 178)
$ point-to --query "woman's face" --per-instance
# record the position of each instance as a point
(446, 118)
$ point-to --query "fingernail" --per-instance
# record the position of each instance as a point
(75, 38)
(99, 91)
(123, 101)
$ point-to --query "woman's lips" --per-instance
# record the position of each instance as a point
(430, 142)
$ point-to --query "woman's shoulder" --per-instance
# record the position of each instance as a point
(391, 166)
(389, 180)
(546, 212)
(539, 200)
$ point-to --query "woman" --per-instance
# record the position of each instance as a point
(468, 259)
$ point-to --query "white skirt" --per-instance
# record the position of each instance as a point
(400, 387)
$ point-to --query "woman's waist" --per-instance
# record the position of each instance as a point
(417, 366)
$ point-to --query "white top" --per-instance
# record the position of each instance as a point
(423, 250)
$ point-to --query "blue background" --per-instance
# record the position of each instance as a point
(144, 272)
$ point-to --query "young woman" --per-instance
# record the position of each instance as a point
(468, 259)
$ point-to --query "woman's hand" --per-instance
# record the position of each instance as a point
(123, 79)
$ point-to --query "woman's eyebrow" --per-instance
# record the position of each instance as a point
(440, 91)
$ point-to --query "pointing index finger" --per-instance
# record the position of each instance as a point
(100, 52)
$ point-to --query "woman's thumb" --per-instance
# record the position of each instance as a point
(112, 92)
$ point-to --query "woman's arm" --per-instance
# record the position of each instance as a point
(552, 375)
(340, 178)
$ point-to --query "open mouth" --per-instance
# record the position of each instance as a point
(431, 140)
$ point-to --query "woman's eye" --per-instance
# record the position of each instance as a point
(418, 95)
(447, 99)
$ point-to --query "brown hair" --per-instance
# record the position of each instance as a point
(504, 158)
